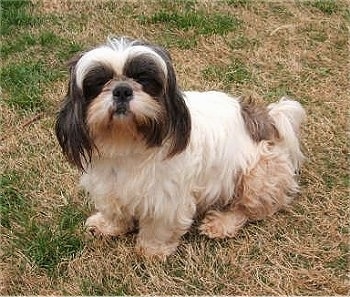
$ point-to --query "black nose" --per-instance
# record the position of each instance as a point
(123, 92)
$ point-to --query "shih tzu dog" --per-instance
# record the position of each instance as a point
(153, 156)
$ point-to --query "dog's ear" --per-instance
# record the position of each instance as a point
(178, 115)
(71, 129)
(179, 118)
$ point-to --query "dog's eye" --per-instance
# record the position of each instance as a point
(141, 76)
(101, 82)
(98, 76)
(144, 80)
(92, 87)
(150, 85)
(95, 80)
(148, 80)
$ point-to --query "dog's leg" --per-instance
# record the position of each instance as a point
(157, 238)
(160, 236)
(110, 223)
(221, 224)
(261, 191)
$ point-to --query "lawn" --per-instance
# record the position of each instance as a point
(262, 49)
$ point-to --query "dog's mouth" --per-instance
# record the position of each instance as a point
(121, 114)
(120, 109)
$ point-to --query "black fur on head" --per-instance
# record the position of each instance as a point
(71, 130)
(179, 118)
(176, 125)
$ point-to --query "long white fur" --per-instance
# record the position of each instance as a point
(130, 180)
(145, 184)
(288, 114)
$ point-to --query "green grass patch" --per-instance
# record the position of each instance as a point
(298, 260)
(326, 6)
(68, 50)
(19, 44)
(50, 40)
(25, 80)
(46, 244)
(171, 39)
(13, 203)
(197, 21)
(234, 73)
(16, 14)
(24, 83)
(46, 42)
(70, 217)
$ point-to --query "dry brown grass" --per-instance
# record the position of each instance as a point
(287, 47)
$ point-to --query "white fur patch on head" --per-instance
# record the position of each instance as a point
(114, 55)
(134, 49)
(99, 56)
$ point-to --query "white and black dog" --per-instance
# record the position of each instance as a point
(156, 156)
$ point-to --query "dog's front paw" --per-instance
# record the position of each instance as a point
(213, 225)
(98, 225)
(154, 250)
(222, 224)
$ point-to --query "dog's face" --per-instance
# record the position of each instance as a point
(125, 90)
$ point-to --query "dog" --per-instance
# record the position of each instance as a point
(154, 157)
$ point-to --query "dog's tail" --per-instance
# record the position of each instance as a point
(288, 116)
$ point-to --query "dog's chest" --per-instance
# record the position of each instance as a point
(119, 179)
(143, 187)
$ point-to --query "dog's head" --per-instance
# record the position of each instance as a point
(122, 91)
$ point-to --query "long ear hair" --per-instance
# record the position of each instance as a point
(71, 129)
(178, 115)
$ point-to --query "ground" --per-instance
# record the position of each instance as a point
(262, 49)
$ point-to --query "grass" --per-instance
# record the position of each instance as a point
(326, 6)
(44, 244)
(13, 204)
(183, 25)
(46, 248)
(198, 21)
(260, 48)
(242, 42)
(235, 73)
(16, 14)
(24, 83)
(238, 3)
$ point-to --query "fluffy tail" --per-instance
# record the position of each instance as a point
(288, 116)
